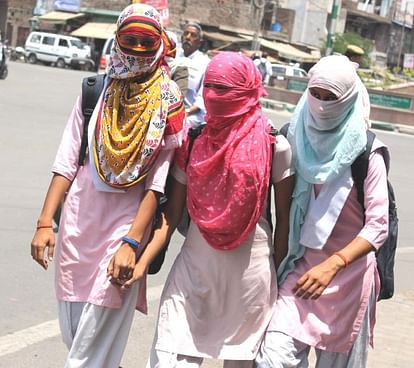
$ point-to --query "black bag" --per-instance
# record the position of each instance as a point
(386, 253)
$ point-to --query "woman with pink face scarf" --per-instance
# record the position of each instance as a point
(217, 301)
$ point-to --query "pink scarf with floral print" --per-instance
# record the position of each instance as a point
(229, 168)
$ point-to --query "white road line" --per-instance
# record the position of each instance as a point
(22, 339)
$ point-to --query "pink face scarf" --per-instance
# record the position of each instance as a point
(229, 169)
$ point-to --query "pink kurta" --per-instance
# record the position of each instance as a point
(215, 303)
(93, 222)
(332, 322)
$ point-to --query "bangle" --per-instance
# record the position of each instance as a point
(132, 242)
(340, 255)
(44, 227)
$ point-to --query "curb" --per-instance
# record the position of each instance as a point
(382, 125)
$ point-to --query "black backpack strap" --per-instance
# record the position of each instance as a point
(284, 130)
(91, 90)
(274, 132)
(359, 168)
(193, 133)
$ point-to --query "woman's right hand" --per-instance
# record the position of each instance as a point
(43, 238)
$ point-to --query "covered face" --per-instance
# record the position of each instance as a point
(141, 43)
(333, 90)
(232, 85)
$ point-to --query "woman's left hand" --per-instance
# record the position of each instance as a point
(313, 283)
(122, 264)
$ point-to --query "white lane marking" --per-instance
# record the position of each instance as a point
(405, 250)
(22, 339)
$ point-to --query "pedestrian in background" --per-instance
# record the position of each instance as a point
(218, 298)
(329, 280)
(263, 64)
(111, 200)
(196, 62)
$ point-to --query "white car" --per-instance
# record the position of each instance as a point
(281, 70)
(106, 52)
(57, 49)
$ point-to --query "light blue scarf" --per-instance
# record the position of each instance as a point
(326, 137)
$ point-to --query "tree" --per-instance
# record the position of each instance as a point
(342, 40)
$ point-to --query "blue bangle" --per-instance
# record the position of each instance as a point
(132, 242)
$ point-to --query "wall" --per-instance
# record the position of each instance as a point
(18, 26)
(105, 4)
(234, 13)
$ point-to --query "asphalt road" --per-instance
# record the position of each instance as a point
(34, 106)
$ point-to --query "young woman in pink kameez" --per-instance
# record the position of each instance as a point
(111, 199)
(329, 280)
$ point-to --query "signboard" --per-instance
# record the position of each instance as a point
(160, 5)
(398, 102)
(409, 61)
(66, 5)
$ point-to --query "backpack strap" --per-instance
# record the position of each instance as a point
(193, 133)
(359, 168)
(91, 90)
(274, 132)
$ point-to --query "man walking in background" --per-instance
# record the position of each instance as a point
(196, 62)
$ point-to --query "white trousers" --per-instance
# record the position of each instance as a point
(164, 359)
(279, 350)
(96, 336)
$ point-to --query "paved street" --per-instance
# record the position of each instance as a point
(36, 101)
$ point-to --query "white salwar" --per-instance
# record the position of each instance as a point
(96, 336)
(165, 359)
(279, 350)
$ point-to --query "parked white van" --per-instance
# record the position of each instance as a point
(57, 49)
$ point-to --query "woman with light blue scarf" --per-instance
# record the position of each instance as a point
(328, 281)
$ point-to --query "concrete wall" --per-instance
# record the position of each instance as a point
(234, 13)
(279, 92)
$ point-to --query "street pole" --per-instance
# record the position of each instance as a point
(259, 6)
(402, 36)
(336, 5)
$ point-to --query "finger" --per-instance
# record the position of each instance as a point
(300, 282)
(302, 290)
(116, 270)
(51, 250)
(130, 282)
(311, 290)
(110, 269)
(319, 291)
(38, 255)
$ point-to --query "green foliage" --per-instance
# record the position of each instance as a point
(342, 40)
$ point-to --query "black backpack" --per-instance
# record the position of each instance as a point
(386, 253)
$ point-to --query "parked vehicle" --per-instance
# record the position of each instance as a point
(3, 62)
(17, 54)
(59, 50)
(106, 53)
(282, 70)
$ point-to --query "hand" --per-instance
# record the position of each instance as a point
(43, 238)
(313, 283)
(122, 264)
(139, 272)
